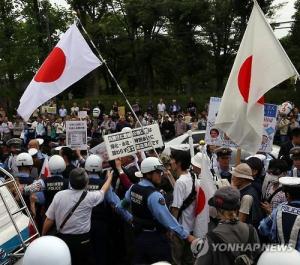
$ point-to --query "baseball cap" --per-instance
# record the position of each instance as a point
(226, 198)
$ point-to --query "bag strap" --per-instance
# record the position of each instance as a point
(83, 195)
(273, 194)
(189, 199)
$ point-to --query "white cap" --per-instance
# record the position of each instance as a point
(47, 250)
(259, 156)
(58, 148)
(40, 140)
(290, 181)
(278, 255)
(32, 151)
(197, 160)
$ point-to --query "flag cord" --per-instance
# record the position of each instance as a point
(118, 86)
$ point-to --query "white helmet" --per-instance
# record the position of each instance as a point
(161, 263)
(93, 163)
(56, 164)
(279, 255)
(96, 112)
(47, 250)
(151, 164)
(24, 159)
(126, 129)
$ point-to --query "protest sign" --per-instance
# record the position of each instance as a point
(101, 151)
(217, 137)
(127, 143)
(82, 114)
(48, 109)
(76, 134)
(121, 111)
(119, 144)
(141, 139)
(270, 119)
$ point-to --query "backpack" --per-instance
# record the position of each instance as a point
(244, 258)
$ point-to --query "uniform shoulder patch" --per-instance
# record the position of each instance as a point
(162, 201)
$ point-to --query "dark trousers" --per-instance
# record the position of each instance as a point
(100, 241)
(151, 247)
(79, 246)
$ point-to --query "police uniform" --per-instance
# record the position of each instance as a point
(223, 173)
(11, 161)
(294, 155)
(151, 219)
(24, 179)
(50, 186)
(283, 225)
(101, 218)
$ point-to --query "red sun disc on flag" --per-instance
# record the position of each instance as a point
(244, 80)
(53, 67)
(200, 201)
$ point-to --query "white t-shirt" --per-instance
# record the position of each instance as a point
(182, 189)
(63, 112)
(80, 221)
(161, 107)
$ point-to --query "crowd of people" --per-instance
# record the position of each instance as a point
(141, 209)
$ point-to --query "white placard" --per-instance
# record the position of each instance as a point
(76, 134)
(217, 137)
(141, 139)
(82, 114)
(127, 143)
(101, 151)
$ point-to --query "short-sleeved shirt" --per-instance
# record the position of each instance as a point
(182, 189)
(246, 204)
(80, 221)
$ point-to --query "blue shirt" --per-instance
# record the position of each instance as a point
(112, 199)
(268, 227)
(160, 211)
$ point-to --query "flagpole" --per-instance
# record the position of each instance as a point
(277, 41)
(117, 84)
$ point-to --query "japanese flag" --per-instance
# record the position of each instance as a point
(261, 63)
(206, 189)
(69, 61)
(45, 171)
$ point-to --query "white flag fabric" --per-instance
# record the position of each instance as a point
(69, 61)
(206, 189)
(261, 63)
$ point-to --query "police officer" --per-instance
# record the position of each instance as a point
(53, 184)
(151, 217)
(295, 156)
(14, 145)
(223, 159)
(283, 225)
(24, 164)
(101, 214)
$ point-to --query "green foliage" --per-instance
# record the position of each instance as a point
(172, 48)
